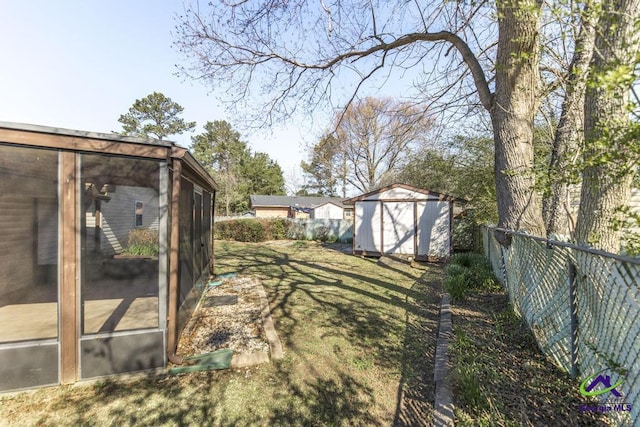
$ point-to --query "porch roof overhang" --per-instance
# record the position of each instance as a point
(105, 143)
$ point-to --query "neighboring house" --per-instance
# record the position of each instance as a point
(403, 220)
(73, 306)
(300, 207)
(123, 209)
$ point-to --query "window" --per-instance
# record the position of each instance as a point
(139, 212)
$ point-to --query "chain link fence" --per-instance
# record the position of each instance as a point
(332, 230)
(583, 307)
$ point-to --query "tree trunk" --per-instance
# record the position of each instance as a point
(512, 116)
(569, 137)
(609, 156)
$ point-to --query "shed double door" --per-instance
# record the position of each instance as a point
(419, 228)
(385, 227)
(398, 228)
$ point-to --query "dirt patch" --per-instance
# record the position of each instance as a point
(229, 316)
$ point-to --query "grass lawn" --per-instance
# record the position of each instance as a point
(358, 338)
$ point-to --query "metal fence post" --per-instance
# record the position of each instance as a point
(486, 232)
(504, 270)
(573, 306)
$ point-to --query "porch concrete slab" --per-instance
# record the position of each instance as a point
(21, 322)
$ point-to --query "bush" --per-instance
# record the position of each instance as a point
(468, 271)
(241, 230)
(251, 230)
(279, 229)
(142, 242)
(325, 234)
(466, 259)
(455, 281)
(263, 229)
(296, 231)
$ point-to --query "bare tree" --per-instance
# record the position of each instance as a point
(376, 137)
(277, 52)
(294, 181)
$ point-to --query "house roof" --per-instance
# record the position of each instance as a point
(440, 196)
(296, 201)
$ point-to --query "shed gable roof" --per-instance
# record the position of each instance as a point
(401, 192)
(331, 203)
(104, 143)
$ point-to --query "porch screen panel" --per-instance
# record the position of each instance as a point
(29, 244)
(206, 228)
(189, 294)
(198, 244)
(120, 263)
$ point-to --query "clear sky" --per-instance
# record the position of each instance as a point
(81, 64)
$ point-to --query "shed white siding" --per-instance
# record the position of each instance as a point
(367, 227)
(400, 194)
(327, 211)
(403, 220)
(434, 223)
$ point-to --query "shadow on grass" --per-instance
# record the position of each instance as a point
(192, 399)
(356, 336)
(205, 398)
(366, 314)
(338, 400)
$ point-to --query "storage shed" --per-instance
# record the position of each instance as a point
(403, 220)
(106, 247)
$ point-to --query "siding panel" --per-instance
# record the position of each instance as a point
(367, 227)
(118, 216)
(433, 229)
(398, 228)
